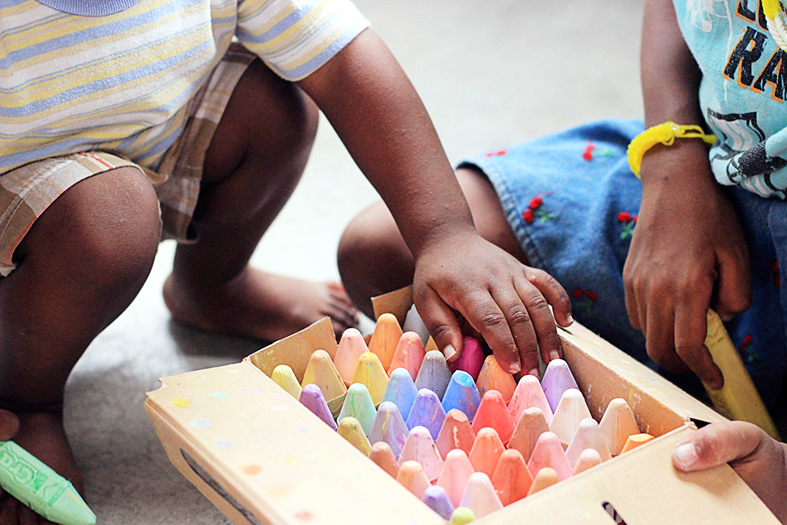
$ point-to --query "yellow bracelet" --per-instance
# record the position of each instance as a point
(665, 134)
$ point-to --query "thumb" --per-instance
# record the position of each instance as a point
(9, 425)
(443, 325)
(717, 444)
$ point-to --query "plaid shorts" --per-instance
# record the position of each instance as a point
(26, 192)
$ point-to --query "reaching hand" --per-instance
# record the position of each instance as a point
(504, 300)
(688, 246)
(758, 459)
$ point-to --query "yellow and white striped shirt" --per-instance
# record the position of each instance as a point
(117, 75)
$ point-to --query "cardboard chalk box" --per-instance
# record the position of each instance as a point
(262, 458)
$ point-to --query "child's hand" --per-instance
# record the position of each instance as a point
(504, 300)
(758, 459)
(9, 425)
(688, 247)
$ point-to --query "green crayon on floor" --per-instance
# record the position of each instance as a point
(39, 487)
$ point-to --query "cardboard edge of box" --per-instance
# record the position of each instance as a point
(603, 373)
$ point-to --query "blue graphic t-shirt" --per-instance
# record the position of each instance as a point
(742, 93)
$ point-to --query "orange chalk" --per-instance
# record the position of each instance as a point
(409, 354)
(351, 348)
(570, 412)
(531, 425)
(371, 373)
(486, 451)
(384, 458)
(385, 338)
(492, 377)
(455, 433)
(454, 475)
(617, 425)
(549, 453)
(529, 394)
(635, 441)
(512, 479)
(546, 477)
(320, 371)
(493, 413)
(589, 458)
(412, 477)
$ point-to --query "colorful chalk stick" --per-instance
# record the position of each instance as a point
(570, 412)
(389, 427)
(588, 436)
(312, 398)
(413, 478)
(351, 430)
(493, 377)
(401, 390)
(546, 477)
(529, 394)
(618, 424)
(436, 498)
(351, 348)
(637, 440)
(434, 373)
(371, 373)
(480, 495)
(549, 453)
(283, 376)
(420, 447)
(532, 424)
(427, 412)
(358, 404)
(36, 485)
(462, 516)
(383, 457)
(462, 394)
(557, 379)
(588, 459)
(493, 413)
(454, 475)
(430, 344)
(385, 337)
(320, 371)
(409, 354)
(486, 451)
(414, 323)
(471, 359)
(511, 479)
(456, 432)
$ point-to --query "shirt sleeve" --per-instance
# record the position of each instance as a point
(296, 37)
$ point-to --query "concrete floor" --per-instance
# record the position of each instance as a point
(491, 73)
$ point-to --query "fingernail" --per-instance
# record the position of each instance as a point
(727, 317)
(685, 455)
(534, 373)
(515, 368)
(570, 318)
(449, 351)
(554, 354)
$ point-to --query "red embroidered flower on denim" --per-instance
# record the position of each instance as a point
(496, 153)
(628, 222)
(588, 154)
(746, 351)
(535, 210)
(584, 299)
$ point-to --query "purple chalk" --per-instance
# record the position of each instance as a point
(427, 412)
(434, 373)
(557, 379)
(312, 398)
(437, 499)
(389, 426)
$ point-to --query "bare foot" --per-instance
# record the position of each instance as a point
(260, 305)
(41, 434)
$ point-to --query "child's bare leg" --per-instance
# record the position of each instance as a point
(256, 158)
(373, 258)
(79, 267)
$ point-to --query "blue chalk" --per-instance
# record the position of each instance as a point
(401, 391)
(462, 394)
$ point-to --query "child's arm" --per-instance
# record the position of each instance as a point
(381, 120)
(688, 245)
(760, 460)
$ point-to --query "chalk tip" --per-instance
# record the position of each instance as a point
(71, 509)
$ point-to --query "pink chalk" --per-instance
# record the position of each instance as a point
(471, 359)
(421, 448)
(549, 453)
(588, 436)
(480, 495)
(529, 394)
(351, 347)
(454, 475)
(570, 412)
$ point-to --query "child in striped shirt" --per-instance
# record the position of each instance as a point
(120, 116)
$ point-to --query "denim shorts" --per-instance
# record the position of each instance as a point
(572, 202)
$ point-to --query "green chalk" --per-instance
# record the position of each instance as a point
(39, 487)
